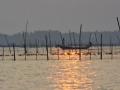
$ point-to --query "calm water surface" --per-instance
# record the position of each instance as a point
(60, 75)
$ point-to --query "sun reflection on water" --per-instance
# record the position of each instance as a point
(72, 75)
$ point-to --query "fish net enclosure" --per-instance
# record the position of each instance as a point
(56, 53)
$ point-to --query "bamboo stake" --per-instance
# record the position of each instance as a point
(118, 23)
(70, 37)
(3, 53)
(7, 43)
(80, 42)
(14, 52)
(111, 48)
(24, 45)
(58, 53)
(36, 49)
(70, 43)
(25, 51)
(101, 56)
(25, 40)
(74, 41)
(89, 51)
(50, 43)
(62, 39)
(46, 39)
(97, 42)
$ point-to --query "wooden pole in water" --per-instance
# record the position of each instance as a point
(50, 42)
(97, 42)
(112, 51)
(46, 39)
(111, 48)
(14, 52)
(70, 37)
(74, 41)
(24, 44)
(69, 53)
(36, 49)
(80, 42)
(25, 40)
(70, 43)
(3, 53)
(8, 45)
(74, 38)
(25, 51)
(62, 39)
(118, 23)
(101, 56)
(58, 53)
(117, 36)
(89, 51)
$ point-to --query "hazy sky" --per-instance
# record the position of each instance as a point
(58, 15)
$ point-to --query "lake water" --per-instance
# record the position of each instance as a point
(60, 75)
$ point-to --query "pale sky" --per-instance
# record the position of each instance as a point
(59, 15)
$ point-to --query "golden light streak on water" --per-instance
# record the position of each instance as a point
(73, 75)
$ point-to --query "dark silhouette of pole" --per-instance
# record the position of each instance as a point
(62, 39)
(3, 53)
(80, 42)
(74, 41)
(50, 42)
(101, 53)
(24, 45)
(111, 48)
(58, 53)
(96, 42)
(36, 49)
(8, 45)
(14, 52)
(46, 39)
(118, 23)
(74, 38)
(70, 37)
(89, 51)
(25, 40)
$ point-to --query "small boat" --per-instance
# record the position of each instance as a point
(75, 46)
